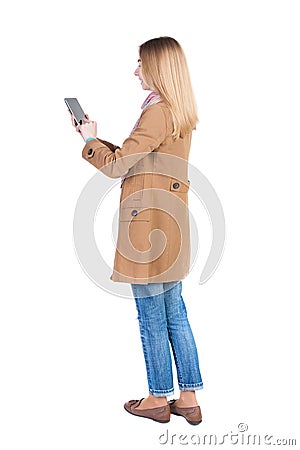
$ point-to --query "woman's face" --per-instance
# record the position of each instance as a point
(138, 73)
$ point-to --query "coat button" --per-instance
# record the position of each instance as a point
(90, 151)
(176, 185)
(134, 212)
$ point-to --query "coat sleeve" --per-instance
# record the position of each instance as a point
(148, 135)
(111, 146)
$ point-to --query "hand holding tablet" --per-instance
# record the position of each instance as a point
(80, 120)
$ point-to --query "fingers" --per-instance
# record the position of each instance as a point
(86, 119)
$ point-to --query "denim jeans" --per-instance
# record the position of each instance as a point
(163, 324)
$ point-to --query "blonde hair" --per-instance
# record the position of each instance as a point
(165, 69)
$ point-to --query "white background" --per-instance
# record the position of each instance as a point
(70, 352)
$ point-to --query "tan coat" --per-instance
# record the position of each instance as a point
(153, 243)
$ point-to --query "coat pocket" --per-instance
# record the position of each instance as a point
(179, 189)
(179, 186)
(135, 214)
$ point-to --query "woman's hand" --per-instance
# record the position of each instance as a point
(87, 130)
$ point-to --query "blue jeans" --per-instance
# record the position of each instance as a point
(163, 322)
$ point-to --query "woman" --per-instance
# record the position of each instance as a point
(153, 247)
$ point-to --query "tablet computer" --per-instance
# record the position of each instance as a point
(75, 109)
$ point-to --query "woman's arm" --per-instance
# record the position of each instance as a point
(111, 146)
(147, 136)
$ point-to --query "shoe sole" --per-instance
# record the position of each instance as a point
(189, 421)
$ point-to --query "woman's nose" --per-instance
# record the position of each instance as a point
(136, 72)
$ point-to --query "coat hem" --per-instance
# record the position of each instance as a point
(124, 279)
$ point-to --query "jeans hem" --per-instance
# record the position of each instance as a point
(190, 387)
(161, 393)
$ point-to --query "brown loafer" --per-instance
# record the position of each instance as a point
(161, 414)
(192, 415)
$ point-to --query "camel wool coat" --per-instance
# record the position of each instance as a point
(153, 244)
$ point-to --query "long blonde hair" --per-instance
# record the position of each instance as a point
(165, 69)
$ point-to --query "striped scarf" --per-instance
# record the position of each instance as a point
(152, 98)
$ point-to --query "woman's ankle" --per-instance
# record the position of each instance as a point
(157, 400)
(187, 399)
